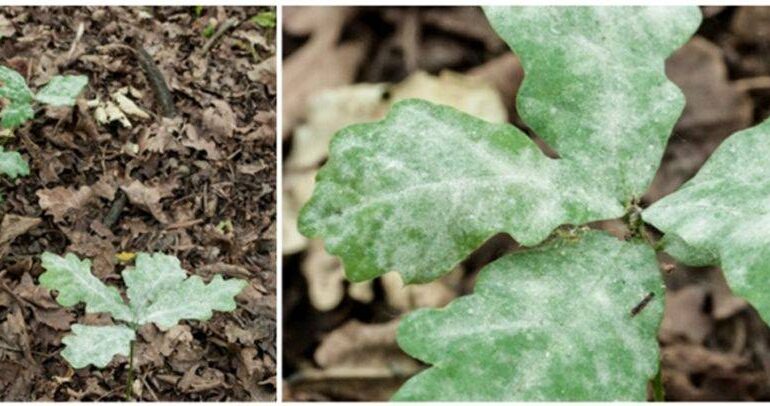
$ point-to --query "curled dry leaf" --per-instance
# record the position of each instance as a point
(149, 197)
(14, 226)
(62, 201)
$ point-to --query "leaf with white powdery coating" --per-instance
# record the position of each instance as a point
(75, 283)
(420, 190)
(191, 299)
(62, 90)
(551, 323)
(13, 86)
(12, 164)
(151, 275)
(96, 345)
(595, 88)
(722, 215)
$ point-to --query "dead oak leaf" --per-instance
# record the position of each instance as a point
(149, 197)
(219, 119)
(197, 143)
(61, 201)
(14, 226)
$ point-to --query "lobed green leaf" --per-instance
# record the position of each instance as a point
(12, 164)
(152, 275)
(722, 215)
(13, 86)
(550, 323)
(75, 283)
(191, 299)
(62, 90)
(595, 87)
(420, 190)
(96, 345)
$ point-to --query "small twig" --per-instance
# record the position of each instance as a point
(157, 82)
(639, 307)
(226, 26)
(117, 207)
(78, 36)
(755, 83)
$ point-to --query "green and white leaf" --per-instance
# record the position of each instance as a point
(420, 190)
(151, 275)
(12, 164)
(96, 345)
(191, 299)
(550, 323)
(595, 88)
(13, 86)
(16, 114)
(62, 90)
(72, 278)
(722, 215)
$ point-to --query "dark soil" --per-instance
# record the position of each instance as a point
(198, 183)
(714, 345)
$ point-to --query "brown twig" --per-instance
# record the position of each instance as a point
(226, 26)
(157, 82)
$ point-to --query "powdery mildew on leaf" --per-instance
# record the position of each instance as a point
(724, 213)
(12, 164)
(551, 323)
(72, 278)
(62, 90)
(151, 275)
(13, 86)
(595, 88)
(191, 299)
(420, 190)
(14, 89)
(158, 289)
(96, 344)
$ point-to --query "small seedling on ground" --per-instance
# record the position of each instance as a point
(574, 315)
(19, 107)
(158, 289)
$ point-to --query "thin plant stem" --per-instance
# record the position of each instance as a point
(130, 381)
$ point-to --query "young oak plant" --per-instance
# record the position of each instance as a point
(19, 104)
(573, 317)
(158, 289)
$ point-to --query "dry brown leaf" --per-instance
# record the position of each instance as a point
(219, 120)
(14, 226)
(61, 201)
(149, 197)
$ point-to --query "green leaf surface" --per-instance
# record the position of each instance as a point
(551, 323)
(13, 86)
(595, 88)
(151, 275)
(16, 114)
(420, 190)
(96, 344)
(722, 215)
(12, 164)
(191, 299)
(265, 19)
(62, 90)
(72, 278)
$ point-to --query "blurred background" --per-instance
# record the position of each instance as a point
(348, 65)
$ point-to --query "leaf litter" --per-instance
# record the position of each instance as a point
(100, 188)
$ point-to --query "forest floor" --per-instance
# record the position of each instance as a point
(339, 338)
(197, 182)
